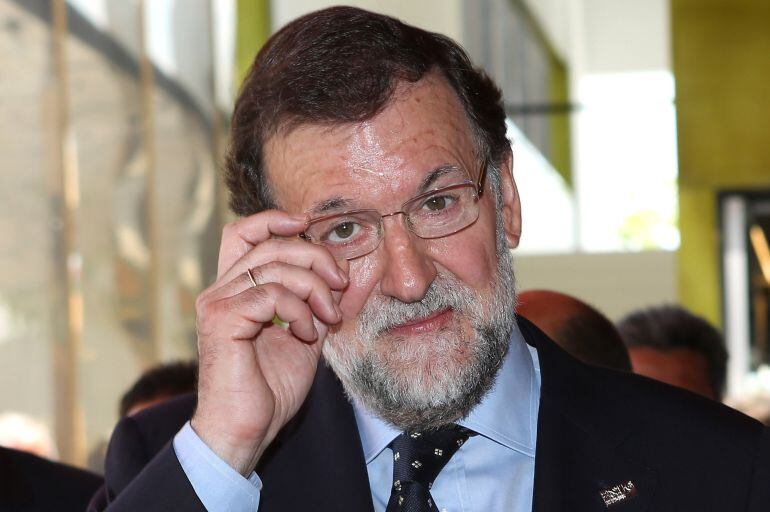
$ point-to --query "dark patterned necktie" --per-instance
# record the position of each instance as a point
(418, 457)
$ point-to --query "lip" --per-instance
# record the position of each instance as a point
(424, 325)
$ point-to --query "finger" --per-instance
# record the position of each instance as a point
(304, 283)
(242, 235)
(299, 253)
(243, 316)
(344, 266)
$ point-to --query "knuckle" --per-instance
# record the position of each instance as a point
(274, 290)
(229, 229)
(259, 294)
(202, 301)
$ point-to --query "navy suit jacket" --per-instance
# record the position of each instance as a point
(31, 484)
(597, 429)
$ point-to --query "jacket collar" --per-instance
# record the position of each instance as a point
(580, 464)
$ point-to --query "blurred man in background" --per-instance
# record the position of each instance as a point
(672, 345)
(580, 329)
(159, 384)
(29, 480)
(29, 483)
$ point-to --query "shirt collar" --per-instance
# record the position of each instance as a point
(507, 414)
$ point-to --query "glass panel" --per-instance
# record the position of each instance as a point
(29, 196)
(119, 129)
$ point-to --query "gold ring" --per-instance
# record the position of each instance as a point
(251, 277)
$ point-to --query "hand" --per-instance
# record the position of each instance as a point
(255, 375)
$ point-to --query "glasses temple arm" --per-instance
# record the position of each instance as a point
(482, 174)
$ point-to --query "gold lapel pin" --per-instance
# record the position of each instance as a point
(618, 494)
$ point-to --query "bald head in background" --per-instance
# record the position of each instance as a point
(577, 327)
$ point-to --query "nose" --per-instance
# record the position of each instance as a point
(408, 271)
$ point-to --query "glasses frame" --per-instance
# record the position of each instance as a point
(478, 186)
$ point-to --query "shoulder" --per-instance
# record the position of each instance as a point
(659, 410)
(626, 407)
(159, 423)
(67, 487)
(137, 439)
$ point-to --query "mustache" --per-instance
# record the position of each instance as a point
(382, 314)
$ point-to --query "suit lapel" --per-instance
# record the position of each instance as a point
(580, 465)
(317, 462)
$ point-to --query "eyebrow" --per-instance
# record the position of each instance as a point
(435, 174)
(329, 204)
(336, 203)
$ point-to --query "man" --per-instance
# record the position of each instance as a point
(158, 384)
(370, 167)
(670, 344)
(577, 327)
(29, 483)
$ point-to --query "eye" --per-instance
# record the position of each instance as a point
(342, 232)
(438, 203)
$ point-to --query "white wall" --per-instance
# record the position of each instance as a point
(607, 36)
(626, 35)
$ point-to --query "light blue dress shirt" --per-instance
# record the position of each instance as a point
(494, 470)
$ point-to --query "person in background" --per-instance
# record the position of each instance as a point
(159, 384)
(672, 345)
(29, 483)
(155, 386)
(580, 329)
(29, 480)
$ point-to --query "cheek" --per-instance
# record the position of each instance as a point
(470, 255)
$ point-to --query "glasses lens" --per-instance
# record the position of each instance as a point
(443, 212)
(347, 235)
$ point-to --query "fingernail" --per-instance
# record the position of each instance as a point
(342, 276)
(338, 310)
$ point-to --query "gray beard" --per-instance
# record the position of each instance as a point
(419, 384)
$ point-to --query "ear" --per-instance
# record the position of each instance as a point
(511, 202)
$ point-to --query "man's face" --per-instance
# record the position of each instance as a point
(416, 311)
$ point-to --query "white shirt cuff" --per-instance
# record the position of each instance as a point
(219, 487)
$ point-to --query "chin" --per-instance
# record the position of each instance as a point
(419, 382)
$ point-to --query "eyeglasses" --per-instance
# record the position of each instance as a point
(433, 214)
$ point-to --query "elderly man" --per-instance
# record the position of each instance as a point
(358, 349)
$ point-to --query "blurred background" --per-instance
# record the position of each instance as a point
(639, 131)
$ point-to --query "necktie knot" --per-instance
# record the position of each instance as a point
(418, 458)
